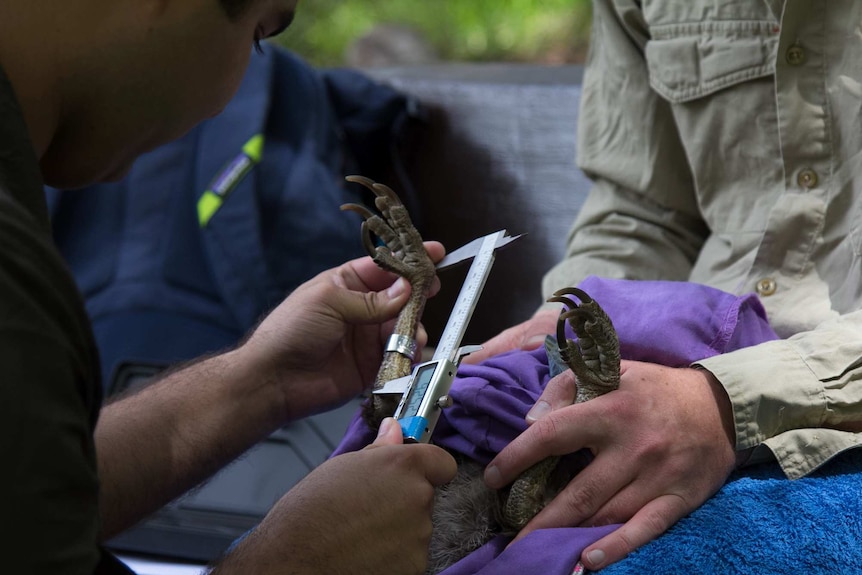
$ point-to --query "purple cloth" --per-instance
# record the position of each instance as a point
(669, 323)
(530, 554)
(678, 323)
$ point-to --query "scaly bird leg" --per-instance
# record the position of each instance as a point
(595, 360)
(403, 253)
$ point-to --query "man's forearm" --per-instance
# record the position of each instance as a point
(161, 442)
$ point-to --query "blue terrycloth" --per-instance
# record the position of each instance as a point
(763, 524)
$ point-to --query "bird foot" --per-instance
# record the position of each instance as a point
(402, 250)
(595, 357)
(595, 360)
(398, 248)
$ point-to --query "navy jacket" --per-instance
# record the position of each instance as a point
(168, 276)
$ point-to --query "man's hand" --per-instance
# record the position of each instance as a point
(318, 349)
(527, 336)
(366, 512)
(663, 444)
(324, 343)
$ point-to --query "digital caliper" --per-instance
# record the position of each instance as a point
(425, 392)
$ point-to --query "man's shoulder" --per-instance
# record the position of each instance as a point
(38, 296)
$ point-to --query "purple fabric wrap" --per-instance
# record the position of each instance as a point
(669, 323)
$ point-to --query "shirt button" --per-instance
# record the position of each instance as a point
(766, 287)
(795, 55)
(807, 179)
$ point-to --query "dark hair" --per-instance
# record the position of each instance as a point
(235, 8)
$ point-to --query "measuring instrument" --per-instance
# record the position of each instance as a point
(425, 391)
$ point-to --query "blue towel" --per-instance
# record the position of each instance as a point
(761, 523)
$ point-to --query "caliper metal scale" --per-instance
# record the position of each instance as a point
(425, 390)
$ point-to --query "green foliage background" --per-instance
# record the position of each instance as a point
(550, 31)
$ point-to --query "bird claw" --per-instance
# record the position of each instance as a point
(595, 357)
(402, 251)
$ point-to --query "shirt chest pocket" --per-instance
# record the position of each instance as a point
(718, 78)
(689, 61)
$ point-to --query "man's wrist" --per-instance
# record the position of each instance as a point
(724, 407)
(728, 417)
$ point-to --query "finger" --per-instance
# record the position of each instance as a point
(527, 336)
(560, 392)
(585, 494)
(439, 465)
(563, 431)
(389, 433)
(369, 307)
(362, 274)
(504, 341)
(624, 504)
(434, 289)
(538, 328)
(421, 339)
(435, 250)
(630, 499)
(652, 520)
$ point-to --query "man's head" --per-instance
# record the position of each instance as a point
(110, 79)
(235, 8)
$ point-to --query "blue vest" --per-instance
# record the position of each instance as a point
(208, 233)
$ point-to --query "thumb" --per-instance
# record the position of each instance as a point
(388, 434)
(560, 392)
(374, 306)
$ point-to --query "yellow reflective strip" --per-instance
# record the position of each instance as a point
(208, 204)
(210, 201)
(254, 148)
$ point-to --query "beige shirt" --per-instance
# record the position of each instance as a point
(725, 141)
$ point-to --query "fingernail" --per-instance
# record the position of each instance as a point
(534, 341)
(384, 427)
(493, 478)
(538, 411)
(397, 288)
(595, 558)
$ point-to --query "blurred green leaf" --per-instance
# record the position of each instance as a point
(465, 30)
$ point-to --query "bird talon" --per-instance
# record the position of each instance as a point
(396, 247)
(577, 292)
(594, 357)
(402, 250)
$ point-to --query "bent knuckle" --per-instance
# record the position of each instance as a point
(327, 288)
(625, 542)
(545, 431)
(397, 457)
(657, 522)
(372, 304)
(579, 503)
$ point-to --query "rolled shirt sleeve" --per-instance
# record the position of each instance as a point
(790, 395)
